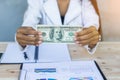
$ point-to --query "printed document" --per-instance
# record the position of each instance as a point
(74, 70)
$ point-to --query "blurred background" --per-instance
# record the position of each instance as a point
(110, 19)
(12, 11)
(11, 17)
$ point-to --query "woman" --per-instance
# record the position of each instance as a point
(60, 12)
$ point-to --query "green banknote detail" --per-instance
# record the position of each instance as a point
(58, 34)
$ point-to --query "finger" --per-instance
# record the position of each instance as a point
(92, 40)
(84, 42)
(38, 38)
(93, 43)
(25, 37)
(84, 37)
(87, 36)
(27, 31)
(24, 42)
(29, 38)
(85, 31)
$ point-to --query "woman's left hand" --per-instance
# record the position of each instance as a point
(88, 36)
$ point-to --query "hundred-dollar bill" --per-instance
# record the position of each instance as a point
(58, 34)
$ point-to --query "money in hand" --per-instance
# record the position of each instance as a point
(58, 34)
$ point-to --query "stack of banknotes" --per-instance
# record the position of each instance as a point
(58, 34)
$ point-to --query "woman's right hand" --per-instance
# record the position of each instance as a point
(28, 36)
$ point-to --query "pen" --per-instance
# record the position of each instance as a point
(25, 56)
(36, 53)
(1, 55)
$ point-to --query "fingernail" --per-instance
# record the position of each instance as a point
(77, 42)
(75, 39)
(40, 39)
(40, 36)
(39, 42)
(80, 44)
(37, 45)
(39, 33)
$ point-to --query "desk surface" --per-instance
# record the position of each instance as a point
(107, 56)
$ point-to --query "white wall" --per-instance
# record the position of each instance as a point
(110, 18)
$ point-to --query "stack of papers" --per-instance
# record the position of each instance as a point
(74, 70)
(47, 53)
